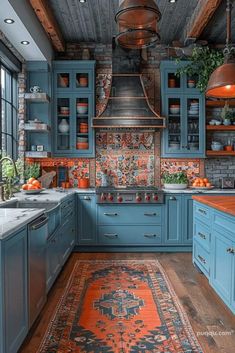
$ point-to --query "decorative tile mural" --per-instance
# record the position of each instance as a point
(192, 167)
(127, 157)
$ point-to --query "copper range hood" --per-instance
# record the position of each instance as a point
(128, 105)
(137, 22)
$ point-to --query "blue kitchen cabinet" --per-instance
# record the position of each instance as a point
(187, 219)
(86, 220)
(74, 108)
(67, 237)
(184, 109)
(53, 259)
(222, 265)
(173, 216)
(13, 292)
(38, 74)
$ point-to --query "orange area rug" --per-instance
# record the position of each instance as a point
(124, 306)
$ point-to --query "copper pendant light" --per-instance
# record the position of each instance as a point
(137, 23)
(222, 81)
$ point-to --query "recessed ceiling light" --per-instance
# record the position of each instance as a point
(9, 21)
(172, 1)
(25, 42)
(82, 1)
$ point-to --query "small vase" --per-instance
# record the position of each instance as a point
(227, 122)
(63, 126)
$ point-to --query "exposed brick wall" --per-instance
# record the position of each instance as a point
(217, 168)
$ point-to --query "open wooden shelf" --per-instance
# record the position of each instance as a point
(210, 153)
(220, 127)
(37, 154)
(37, 97)
(220, 103)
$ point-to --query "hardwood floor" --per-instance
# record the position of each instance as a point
(206, 312)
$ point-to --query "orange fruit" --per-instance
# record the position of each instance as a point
(30, 180)
(31, 187)
(36, 183)
(25, 187)
(206, 180)
(208, 185)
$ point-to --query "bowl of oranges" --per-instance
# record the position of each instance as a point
(202, 184)
(33, 186)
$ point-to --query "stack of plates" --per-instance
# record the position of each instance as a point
(194, 108)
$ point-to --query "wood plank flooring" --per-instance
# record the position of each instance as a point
(206, 311)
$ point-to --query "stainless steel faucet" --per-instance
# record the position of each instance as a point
(2, 184)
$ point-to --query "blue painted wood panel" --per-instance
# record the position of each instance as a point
(15, 291)
(173, 224)
(86, 219)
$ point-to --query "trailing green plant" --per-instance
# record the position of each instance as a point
(226, 112)
(203, 62)
(175, 178)
(31, 170)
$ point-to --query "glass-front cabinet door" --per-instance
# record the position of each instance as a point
(63, 123)
(184, 135)
(63, 80)
(83, 106)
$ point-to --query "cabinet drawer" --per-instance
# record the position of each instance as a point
(202, 212)
(202, 235)
(129, 215)
(224, 223)
(201, 258)
(123, 235)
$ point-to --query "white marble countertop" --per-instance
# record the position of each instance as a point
(13, 219)
(195, 191)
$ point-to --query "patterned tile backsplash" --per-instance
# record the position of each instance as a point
(128, 158)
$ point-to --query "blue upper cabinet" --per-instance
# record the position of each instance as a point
(74, 108)
(184, 107)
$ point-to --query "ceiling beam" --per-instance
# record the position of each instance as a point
(201, 16)
(48, 21)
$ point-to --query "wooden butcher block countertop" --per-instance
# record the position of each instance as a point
(222, 203)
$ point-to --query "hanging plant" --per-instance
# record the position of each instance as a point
(203, 62)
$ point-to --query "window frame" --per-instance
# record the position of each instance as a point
(10, 134)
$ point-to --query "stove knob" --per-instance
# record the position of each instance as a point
(110, 197)
(138, 198)
(147, 198)
(120, 199)
(103, 197)
(155, 197)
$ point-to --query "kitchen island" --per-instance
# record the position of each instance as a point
(214, 243)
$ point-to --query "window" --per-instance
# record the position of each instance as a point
(8, 109)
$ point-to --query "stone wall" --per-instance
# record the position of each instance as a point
(217, 168)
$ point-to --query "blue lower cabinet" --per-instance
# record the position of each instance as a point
(187, 219)
(222, 274)
(13, 292)
(53, 259)
(173, 213)
(214, 250)
(129, 235)
(86, 219)
(67, 237)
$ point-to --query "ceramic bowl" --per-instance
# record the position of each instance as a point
(174, 110)
(175, 186)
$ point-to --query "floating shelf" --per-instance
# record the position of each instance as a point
(37, 127)
(37, 97)
(219, 153)
(221, 103)
(220, 127)
(36, 154)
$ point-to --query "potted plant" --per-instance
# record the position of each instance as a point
(227, 114)
(175, 181)
(203, 62)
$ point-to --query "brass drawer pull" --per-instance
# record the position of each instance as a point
(110, 214)
(202, 235)
(202, 211)
(110, 235)
(231, 251)
(151, 235)
(150, 214)
(201, 259)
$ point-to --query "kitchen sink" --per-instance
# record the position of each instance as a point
(29, 204)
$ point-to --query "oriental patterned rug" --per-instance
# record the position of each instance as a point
(119, 307)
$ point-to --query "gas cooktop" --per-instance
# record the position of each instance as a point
(129, 194)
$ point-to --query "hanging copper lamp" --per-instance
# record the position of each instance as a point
(222, 81)
(137, 24)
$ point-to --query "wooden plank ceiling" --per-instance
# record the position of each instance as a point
(93, 21)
